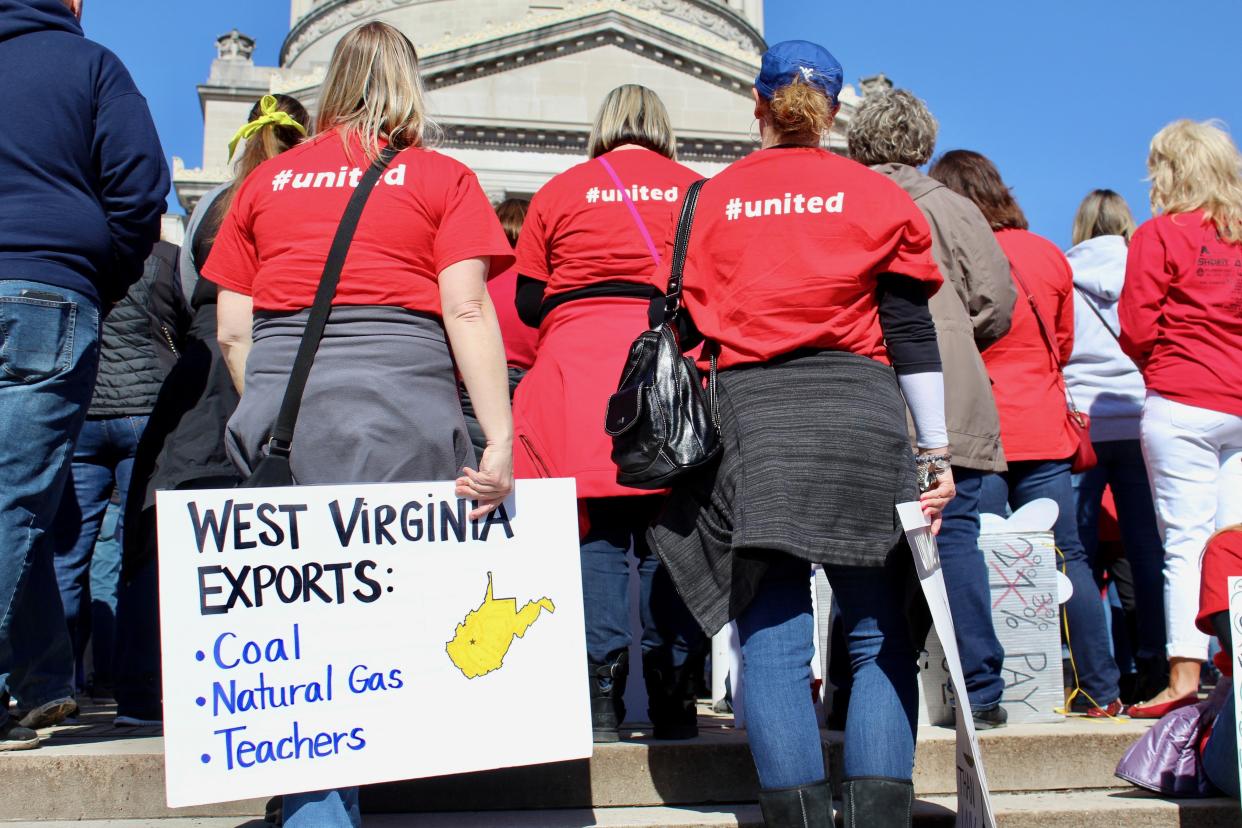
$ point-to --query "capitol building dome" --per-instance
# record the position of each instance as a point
(514, 84)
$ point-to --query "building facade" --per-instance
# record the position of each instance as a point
(514, 84)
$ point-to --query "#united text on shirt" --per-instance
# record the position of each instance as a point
(637, 192)
(792, 203)
(345, 176)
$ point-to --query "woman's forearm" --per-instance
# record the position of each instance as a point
(474, 335)
(235, 355)
(234, 320)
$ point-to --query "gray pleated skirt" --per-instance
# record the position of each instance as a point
(815, 458)
(380, 405)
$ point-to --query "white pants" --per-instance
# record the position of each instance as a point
(1194, 461)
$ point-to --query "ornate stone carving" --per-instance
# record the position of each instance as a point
(235, 46)
(706, 21)
(707, 15)
(875, 85)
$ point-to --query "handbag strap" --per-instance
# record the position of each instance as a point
(1046, 333)
(1049, 342)
(681, 243)
(1098, 315)
(282, 432)
(629, 202)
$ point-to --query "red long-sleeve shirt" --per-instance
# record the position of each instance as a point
(1181, 312)
(1025, 372)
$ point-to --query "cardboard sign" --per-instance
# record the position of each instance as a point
(326, 636)
(1235, 624)
(974, 803)
(1022, 580)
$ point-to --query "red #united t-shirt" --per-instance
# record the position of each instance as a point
(579, 230)
(785, 250)
(427, 212)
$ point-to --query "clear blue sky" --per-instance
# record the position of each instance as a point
(1063, 96)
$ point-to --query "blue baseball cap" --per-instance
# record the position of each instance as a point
(792, 60)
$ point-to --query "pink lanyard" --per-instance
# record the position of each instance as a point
(638, 220)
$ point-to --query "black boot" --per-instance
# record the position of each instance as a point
(808, 806)
(608, 697)
(670, 697)
(878, 802)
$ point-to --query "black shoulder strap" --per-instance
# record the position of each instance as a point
(681, 242)
(282, 431)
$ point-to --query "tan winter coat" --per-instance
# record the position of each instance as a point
(969, 318)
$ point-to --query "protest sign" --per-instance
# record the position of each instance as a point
(974, 802)
(325, 636)
(1020, 555)
(1235, 624)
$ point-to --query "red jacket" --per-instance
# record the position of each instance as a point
(1181, 312)
(1221, 558)
(1025, 372)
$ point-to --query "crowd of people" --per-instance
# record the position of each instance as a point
(873, 335)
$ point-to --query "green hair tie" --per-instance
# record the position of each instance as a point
(268, 114)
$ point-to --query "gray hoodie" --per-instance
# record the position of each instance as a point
(1102, 380)
(971, 311)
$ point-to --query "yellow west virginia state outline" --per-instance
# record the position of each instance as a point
(482, 639)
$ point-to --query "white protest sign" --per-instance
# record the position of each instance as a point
(326, 636)
(974, 802)
(1235, 624)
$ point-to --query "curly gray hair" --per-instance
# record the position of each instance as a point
(892, 127)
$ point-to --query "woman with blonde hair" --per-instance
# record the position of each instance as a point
(1181, 323)
(381, 403)
(809, 275)
(587, 257)
(1106, 384)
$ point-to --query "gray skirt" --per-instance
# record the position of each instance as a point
(815, 458)
(380, 404)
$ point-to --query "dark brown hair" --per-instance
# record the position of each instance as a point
(268, 142)
(512, 212)
(972, 175)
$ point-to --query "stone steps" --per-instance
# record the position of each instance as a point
(1045, 774)
(1061, 809)
(99, 770)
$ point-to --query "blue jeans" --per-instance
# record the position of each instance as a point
(137, 663)
(966, 579)
(88, 568)
(322, 809)
(777, 632)
(616, 524)
(1220, 754)
(1121, 466)
(49, 353)
(1029, 480)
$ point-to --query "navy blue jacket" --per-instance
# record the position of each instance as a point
(82, 174)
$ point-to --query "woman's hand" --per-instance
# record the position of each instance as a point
(935, 499)
(492, 482)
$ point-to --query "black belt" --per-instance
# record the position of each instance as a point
(609, 289)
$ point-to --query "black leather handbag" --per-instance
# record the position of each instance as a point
(273, 468)
(662, 422)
